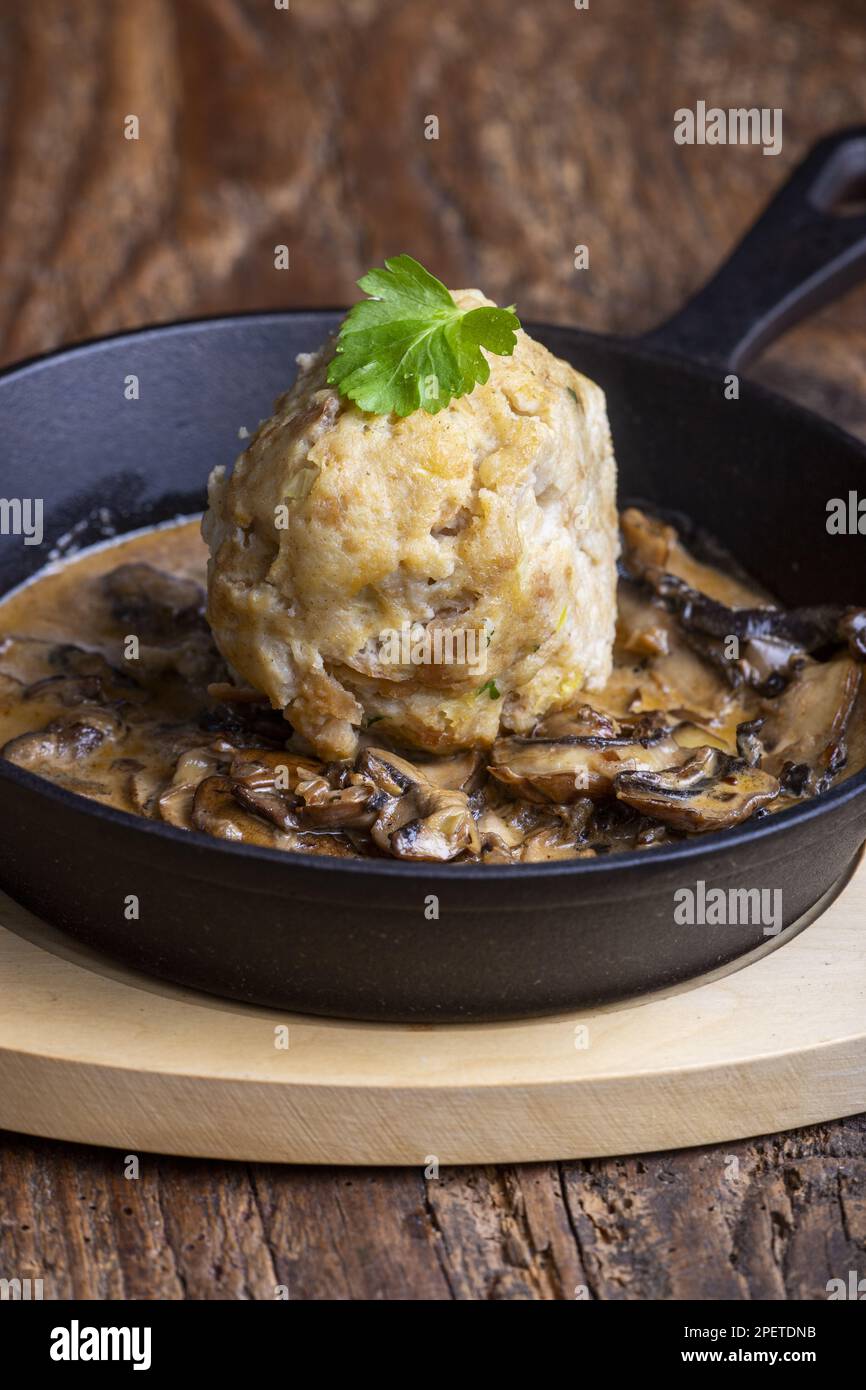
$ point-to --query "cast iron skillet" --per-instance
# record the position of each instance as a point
(358, 939)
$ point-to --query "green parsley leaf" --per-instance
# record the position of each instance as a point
(410, 347)
(489, 688)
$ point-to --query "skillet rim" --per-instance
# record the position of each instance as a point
(715, 842)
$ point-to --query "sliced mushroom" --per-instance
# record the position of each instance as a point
(650, 544)
(675, 677)
(581, 722)
(247, 725)
(416, 819)
(771, 640)
(152, 604)
(194, 658)
(459, 772)
(268, 769)
(11, 688)
(215, 809)
(271, 806)
(69, 739)
(498, 837)
(67, 690)
(804, 732)
(80, 661)
(143, 788)
(323, 807)
(750, 746)
(711, 791)
(175, 803)
(80, 677)
(549, 843)
(565, 769)
(615, 826)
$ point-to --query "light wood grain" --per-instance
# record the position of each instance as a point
(91, 1053)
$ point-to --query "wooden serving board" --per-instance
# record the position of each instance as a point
(93, 1053)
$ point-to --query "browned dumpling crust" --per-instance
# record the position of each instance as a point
(496, 517)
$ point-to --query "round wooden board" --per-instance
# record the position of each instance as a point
(93, 1053)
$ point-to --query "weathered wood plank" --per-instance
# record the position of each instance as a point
(306, 128)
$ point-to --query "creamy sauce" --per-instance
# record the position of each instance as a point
(139, 724)
(64, 605)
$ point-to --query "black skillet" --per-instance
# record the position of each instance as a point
(356, 938)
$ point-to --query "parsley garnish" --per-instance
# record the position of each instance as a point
(410, 347)
(490, 688)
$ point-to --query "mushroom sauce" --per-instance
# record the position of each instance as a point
(722, 706)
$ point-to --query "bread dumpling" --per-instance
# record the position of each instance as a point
(348, 548)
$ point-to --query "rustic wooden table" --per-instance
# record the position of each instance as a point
(261, 126)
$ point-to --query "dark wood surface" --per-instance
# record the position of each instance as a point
(261, 127)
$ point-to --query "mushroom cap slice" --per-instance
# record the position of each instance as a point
(806, 726)
(175, 802)
(416, 819)
(151, 603)
(711, 791)
(564, 770)
(323, 807)
(66, 740)
(216, 811)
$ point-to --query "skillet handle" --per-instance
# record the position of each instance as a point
(797, 256)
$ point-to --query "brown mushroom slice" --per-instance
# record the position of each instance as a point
(194, 658)
(265, 781)
(216, 811)
(69, 739)
(459, 772)
(582, 721)
(416, 820)
(804, 731)
(711, 791)
(270, 769)
(499, 837)
(552, 842)
(515, 832)
(772, 641)
(328, 846)
(324, 807)
(247, 725)
(389, 772)
(566, 769)
(143, 788)
(11, 688)
(152, 604)
(651, 544)
(272, 806)
(443, 827)
(70, 691)
(674, 677)
(175, 803)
